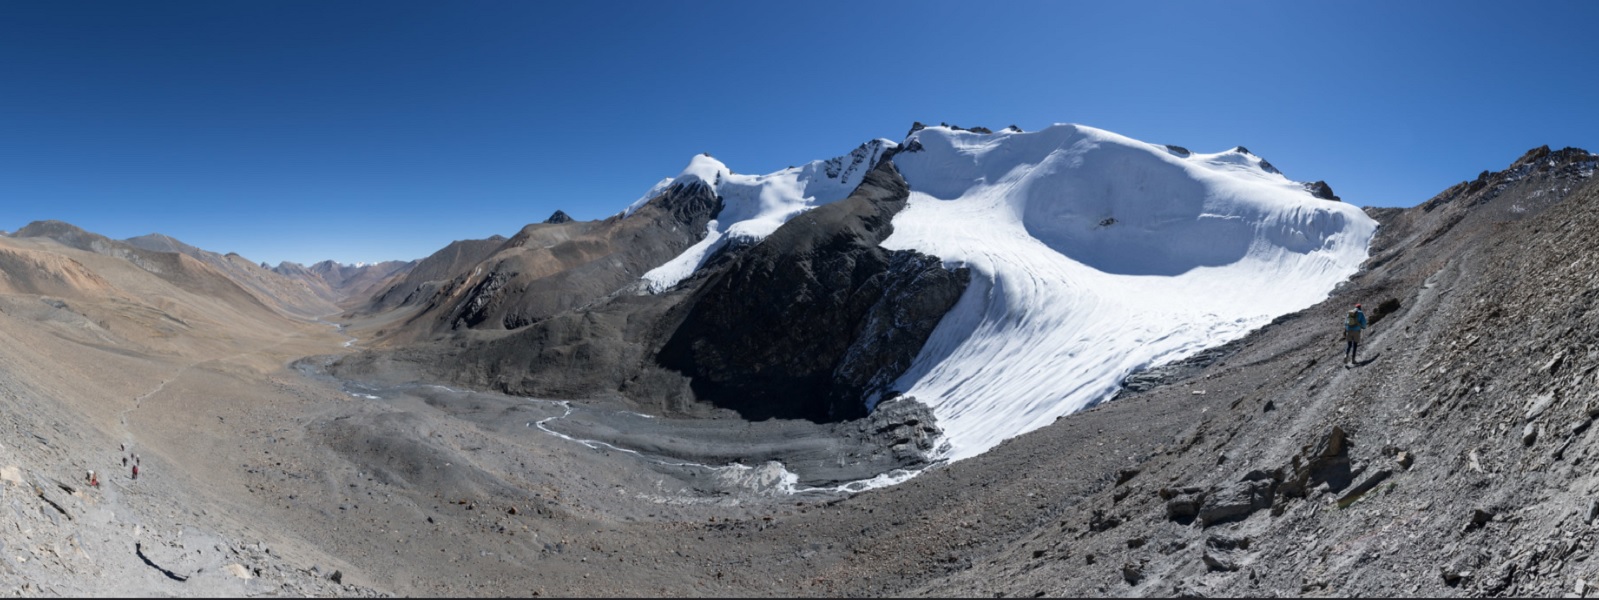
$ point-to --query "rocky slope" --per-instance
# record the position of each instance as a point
(294, 295)
(544, 269)
(228, 285)
(421, 281)
(102, 351)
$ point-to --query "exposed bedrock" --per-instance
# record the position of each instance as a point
(818, 317)
(538, 274)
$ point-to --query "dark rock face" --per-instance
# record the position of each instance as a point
(550, 268)
(1320, 189)
(904, 428)
(817, 316)
(428, 273)
(559, 217)
(917, 291)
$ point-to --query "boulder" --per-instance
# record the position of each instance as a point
(1132, 573)
(1236, 501)
(905, 427)
(1479, 519)
(1228, 543)
(1325, 462)
(1182, 505)
(1367, 485)
(1125, 475)
(1100, 521)
(1217, 561)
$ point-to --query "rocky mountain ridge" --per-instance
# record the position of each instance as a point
(345, 285)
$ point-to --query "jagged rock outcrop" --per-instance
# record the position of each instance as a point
(422, 280)
(818, 315)
(1320, 189)
(558, 218)
(548, 268)
(905, 428)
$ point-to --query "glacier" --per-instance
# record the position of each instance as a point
(1093, 255)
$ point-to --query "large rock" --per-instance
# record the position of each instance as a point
(907, 428)
(1326, 462)
(1236, 501)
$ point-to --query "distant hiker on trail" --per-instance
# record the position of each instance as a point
(135, 471)
(1354, 323)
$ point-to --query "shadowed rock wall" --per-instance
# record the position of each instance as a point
(818, 316)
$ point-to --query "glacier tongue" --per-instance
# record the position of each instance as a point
(1093, 255)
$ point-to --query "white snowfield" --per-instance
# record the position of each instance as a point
(1092, 255)
(753, 206)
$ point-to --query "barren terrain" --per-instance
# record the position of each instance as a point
(1452, 459)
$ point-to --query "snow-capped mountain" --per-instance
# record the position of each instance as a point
(1093, 255)
(753, 206)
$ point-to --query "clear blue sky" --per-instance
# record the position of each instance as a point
(366, 130)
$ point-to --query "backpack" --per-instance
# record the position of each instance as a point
(1354, 320)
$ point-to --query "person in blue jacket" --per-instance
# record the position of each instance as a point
(1354, 323)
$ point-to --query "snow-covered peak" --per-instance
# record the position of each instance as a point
(753, 206)
(1095, 254)
(702, 169)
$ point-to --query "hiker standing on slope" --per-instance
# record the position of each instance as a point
(1354, 323)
